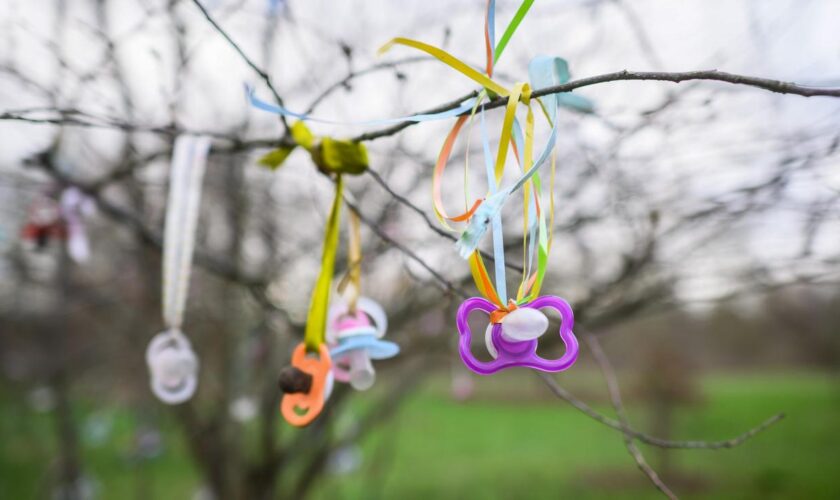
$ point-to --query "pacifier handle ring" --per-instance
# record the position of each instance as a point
(567, 335)
(313, 401)
(170, 335)
(376, 313)
(469, 359)
(160, 342)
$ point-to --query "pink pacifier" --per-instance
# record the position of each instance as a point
(355, 340)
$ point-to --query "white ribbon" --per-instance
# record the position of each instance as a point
(173, 366)
(187, 172)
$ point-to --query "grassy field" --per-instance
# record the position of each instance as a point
(505, 444)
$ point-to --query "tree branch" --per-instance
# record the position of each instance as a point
(265, 77)
(434, 227)
(615, 396)
(446, 284)
(776, 86)
(565, 395)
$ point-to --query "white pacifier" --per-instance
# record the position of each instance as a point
(173, 367)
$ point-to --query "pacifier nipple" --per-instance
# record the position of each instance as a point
(172, 366)
(362, 374)
(524, 324)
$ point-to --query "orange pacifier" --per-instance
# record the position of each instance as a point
(300, 404)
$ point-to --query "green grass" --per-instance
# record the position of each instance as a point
(544, 449)
(510, 441)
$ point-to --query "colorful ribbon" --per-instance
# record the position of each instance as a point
(485, 213)
(316, 319)
(353, 277)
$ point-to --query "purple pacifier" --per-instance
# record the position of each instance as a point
(513, 340)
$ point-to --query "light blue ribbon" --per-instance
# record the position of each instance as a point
(465, 107)
(498, 240)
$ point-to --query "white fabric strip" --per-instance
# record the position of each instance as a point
(189, 160)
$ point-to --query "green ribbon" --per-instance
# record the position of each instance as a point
(316, 319)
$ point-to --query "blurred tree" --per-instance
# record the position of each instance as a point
(100, 88)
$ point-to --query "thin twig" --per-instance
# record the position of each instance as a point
(565, 395)
(434, 227)
(713, 75)
(446, 284)
(615, 396)
(352, 75)
(262, 73)
(146, 234)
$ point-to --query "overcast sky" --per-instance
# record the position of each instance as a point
(721, 136)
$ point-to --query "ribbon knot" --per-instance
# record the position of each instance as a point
(499, 314)
(331, 156)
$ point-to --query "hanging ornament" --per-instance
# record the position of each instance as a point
(61, 220)
(43, 223)
(356, 325)
(305, 383)
(512, 338)
(356, 339)
(515, 345)
(173, 366)
(515, 324)
(75, 207)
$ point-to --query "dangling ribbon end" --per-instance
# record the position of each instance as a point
(385, 48)
(464, 248)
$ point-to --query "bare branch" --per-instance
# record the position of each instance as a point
(713, 75)
(220, 267)
(434, 227)
(567, 396)
(265, 77)
(776, 86)
(615, 396)
(446, 284)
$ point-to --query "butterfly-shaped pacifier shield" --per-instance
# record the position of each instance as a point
(513, 341)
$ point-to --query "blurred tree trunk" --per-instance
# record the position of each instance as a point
(69, 481)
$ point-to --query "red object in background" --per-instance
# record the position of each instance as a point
(44, 223)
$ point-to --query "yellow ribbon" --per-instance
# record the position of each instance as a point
(521, 92)
(316, 319)
(451, 61)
